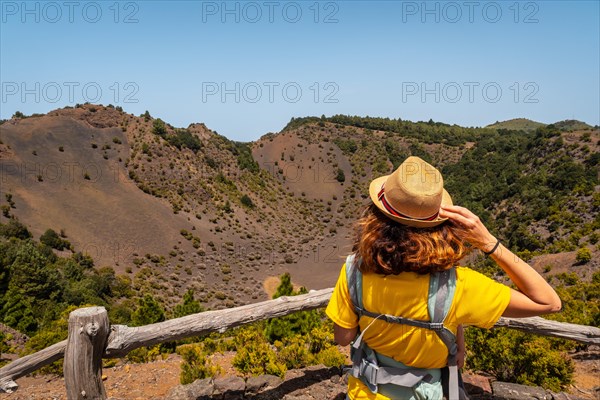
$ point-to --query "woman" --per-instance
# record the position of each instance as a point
(406, 239)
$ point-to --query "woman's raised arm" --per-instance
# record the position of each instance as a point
(535, 295)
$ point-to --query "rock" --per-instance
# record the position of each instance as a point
(257, 384)
(298, 397)
(564, 396)
(230, 387)
(319, 373)
(476, 384)
(513, 391)
(201, 389)
(560, 396)
(179, 392)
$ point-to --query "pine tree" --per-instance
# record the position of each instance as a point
(298, 323)
(148, 312)
(188, 306)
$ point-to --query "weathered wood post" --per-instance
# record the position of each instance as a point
(88, 333)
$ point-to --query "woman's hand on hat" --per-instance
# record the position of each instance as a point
(472, 229)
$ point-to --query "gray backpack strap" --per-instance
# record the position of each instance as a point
(393, 319)
(441, 292)
(366, 367)
(354, 280)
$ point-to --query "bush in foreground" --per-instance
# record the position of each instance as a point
(513, 356)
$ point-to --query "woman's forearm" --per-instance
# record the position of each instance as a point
(528, 280)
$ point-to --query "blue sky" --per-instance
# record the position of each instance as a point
(245, 68)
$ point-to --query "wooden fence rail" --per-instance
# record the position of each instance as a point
(91, 338)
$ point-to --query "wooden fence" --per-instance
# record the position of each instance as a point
(92, 338)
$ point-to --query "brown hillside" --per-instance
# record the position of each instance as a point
(60, 181)
(170, 218)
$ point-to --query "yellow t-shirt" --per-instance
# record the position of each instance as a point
(478, 300)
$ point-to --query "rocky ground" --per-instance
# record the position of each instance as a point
(159, 380)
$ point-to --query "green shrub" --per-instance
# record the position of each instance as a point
(195, 364)
(52, 239)
(18, 312)
(14, 229)
(149, 311)
(348, 146)
(9, 199)
(186, 234)
(220, 295)
(254, 354)
(120, 313)
(299, 323)
(331, 357)
(225, 269)
(183, 138)
(244, 156)
(247, 201)
(294, 353)
(316, 347)
(584, 255)
(188, 305)
(340, 176)
(547, 268)
(4, 347)
(568, 278)
(158, 127)
(144, 354)
(580, 303)
(513, 356)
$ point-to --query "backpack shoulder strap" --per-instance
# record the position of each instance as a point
(442, 286)
(354, 280)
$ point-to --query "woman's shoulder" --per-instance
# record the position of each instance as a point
(466, 273)
(471, 280)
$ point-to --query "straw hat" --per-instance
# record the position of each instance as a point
(412, 194)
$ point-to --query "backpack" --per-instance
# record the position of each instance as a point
(375, 369)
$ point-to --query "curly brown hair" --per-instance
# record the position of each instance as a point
(388, 247)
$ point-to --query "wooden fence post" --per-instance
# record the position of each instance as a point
(88, 333)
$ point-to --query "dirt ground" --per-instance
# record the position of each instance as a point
(271, 283)
(127, 381)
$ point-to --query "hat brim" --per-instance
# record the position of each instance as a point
(374, 189)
